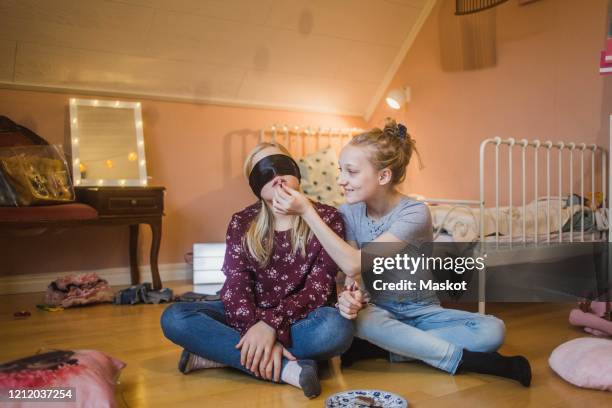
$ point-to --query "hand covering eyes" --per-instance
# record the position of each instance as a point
(269, 167)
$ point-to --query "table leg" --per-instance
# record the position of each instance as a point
(134, 272)
(156, 231)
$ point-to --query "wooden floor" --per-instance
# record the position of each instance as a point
(133, 334)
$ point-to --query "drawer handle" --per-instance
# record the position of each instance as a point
(133, 202)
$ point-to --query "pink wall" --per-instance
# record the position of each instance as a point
(195, 151)
(539, 79)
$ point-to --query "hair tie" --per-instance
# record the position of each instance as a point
(403, 131)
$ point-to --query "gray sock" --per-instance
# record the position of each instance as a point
(303, 374)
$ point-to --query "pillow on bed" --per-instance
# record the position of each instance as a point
(585, 362)
(319, 177)
(90, 374)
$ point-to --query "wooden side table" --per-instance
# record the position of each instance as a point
(130, 206)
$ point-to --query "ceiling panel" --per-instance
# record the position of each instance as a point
(195, 38)
(372, 21)
(248, 11)
(312, 93)
(409, 3)
(311, 55)
(81, 69)
(88, 24)
(365, 62)
(327, 55)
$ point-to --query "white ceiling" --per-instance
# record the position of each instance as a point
(322, 55)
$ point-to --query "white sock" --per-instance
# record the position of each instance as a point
(291, 374)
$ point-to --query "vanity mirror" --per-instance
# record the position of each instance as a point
(107, 143)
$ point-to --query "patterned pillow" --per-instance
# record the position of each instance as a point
(319, 177)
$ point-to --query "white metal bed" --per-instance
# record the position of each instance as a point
(541, 246)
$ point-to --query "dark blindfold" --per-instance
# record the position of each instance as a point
(269, 167)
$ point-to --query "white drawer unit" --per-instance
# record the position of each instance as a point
(207, 263)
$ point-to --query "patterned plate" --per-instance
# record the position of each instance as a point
(365, 398)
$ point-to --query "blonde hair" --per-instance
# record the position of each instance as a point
(259, 238)
(391, 147)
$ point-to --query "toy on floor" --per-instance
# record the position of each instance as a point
(595, 317)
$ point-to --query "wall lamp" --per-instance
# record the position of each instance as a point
(396, 98)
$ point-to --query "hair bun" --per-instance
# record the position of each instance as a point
(394, 129)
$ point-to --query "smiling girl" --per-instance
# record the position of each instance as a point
(409, 324)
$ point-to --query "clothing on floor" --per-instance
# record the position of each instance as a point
(196, 297)
(78, 289)
(143, 293)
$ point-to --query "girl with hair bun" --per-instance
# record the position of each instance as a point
(408, 324)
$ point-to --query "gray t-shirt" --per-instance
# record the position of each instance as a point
(409, 221)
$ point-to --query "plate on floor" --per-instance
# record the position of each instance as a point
(365, 398)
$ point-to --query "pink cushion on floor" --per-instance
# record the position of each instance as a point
(585, 362)
(92, 374)
(72, 211)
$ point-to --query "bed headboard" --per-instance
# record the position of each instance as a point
(302, 140)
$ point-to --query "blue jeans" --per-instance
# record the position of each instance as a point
(201, 328)
(428, 332)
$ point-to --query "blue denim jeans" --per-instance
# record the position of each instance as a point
(428, 332)
(201, 328)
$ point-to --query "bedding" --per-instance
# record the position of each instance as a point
(462, 222)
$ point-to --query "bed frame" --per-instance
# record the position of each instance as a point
(533, 248)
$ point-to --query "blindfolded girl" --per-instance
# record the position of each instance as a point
(273, 321)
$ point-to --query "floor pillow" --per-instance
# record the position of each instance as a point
(585, 362)
(90, 375)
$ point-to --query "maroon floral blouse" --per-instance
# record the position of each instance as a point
(284, 291)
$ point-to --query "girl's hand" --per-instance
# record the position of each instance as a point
(272, 369)
(288, 201)
(256, 345)
(350, 303)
